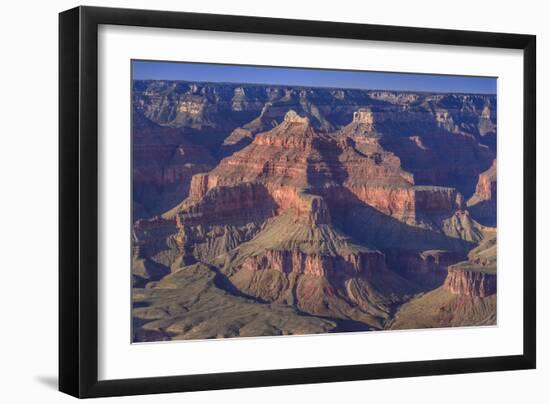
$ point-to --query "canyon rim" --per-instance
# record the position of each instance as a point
(310, 207)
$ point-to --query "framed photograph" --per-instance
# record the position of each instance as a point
(251, 201)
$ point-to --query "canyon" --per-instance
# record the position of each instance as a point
(273, 210)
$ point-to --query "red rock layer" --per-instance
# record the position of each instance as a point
(223, 203)
(316, 264)
(470, 283)
(404, 203)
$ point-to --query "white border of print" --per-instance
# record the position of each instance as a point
(119, 359)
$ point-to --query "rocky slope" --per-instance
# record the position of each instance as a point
(331, 224)
(441, 308)
(194, 303)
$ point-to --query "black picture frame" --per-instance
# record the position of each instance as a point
(78, 201)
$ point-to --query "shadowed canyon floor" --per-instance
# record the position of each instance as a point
(266, 210)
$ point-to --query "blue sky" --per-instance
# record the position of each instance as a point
(311, 77)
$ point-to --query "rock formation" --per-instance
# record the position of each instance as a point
(341, 209)
(483, 203)
(477, 275)
(470, 283)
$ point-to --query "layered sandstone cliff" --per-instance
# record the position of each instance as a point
(477, 275)
(470, 283)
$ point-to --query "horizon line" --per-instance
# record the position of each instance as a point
(319, 86)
